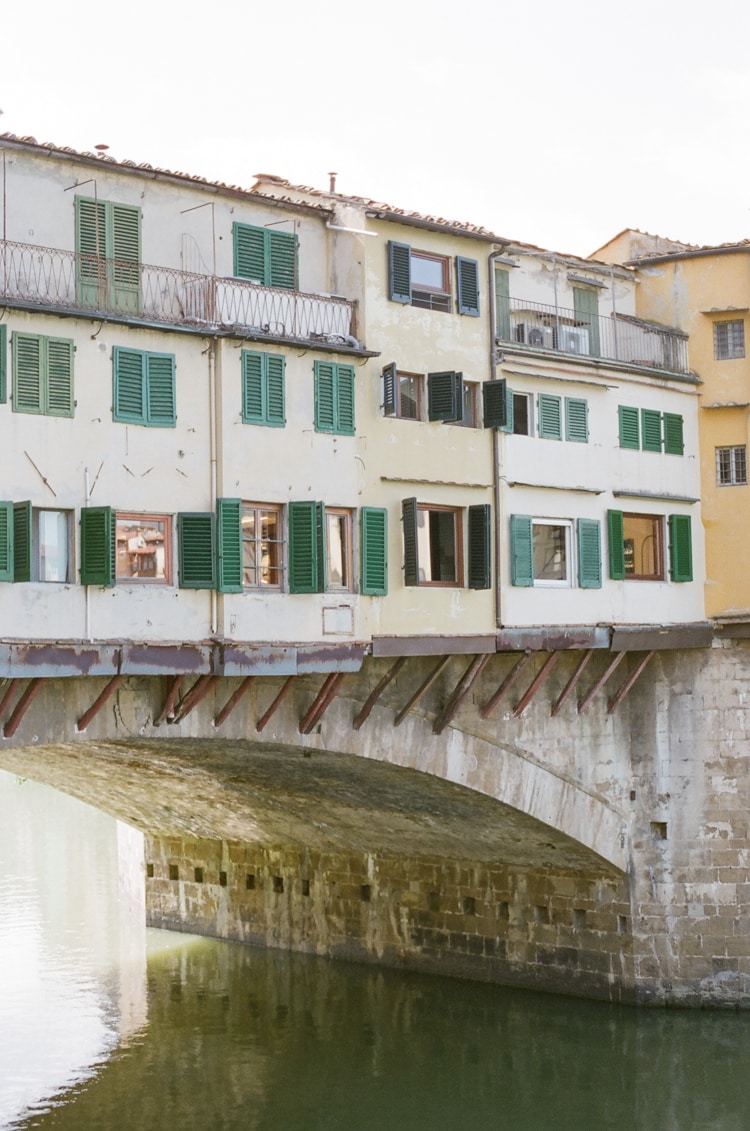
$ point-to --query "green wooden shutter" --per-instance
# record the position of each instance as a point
(6, 541)
(345, 400)
(390, 386)
(521, 550)
(616, 541)
(495, 403)
(249, 252)
(445, 394)
(502, 304)
(59, 385)
(91, 249)
(409, 518)
(281, 260)
(196, 557)
(399, 272)
(229, 543)
(303, 548)
(589, 553)
(325, 397)
(550, 417)
(680, 548)
(27, 372)
(651, 430)
(161, 407)
(576, 420)
(480, 546)
(586, 307)
(22, 541)
(125, 244)
(129, 368)
(629, 429)
(275, 414)
(252, 387)
(374, 551)
(321, 546)
(97, 546)
(3, 363)
(674, 444)
(467, 278)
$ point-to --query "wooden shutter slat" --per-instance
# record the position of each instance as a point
(303, 548)
(480, 546)
(576, 420)
(6, 541)
(467, 276)
(674, 443)
(129, 381)
(325, 415)
(249, 252)
(680, 548)
(399, 272)
(629, 427)
(275, 399)
(445, 396)
(59, 399)
(282, 260)
(345, 399)
(196, 541)
(589, 553)
(495, 404)
(409, 518)
(229, 542)
(650, 430)
(160, 390)
(27, 372)
(97, 546)
(616, 542)
(374, 551)
(390, 389)
(522, 550)
(550, 417)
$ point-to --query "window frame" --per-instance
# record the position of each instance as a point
(393, 400)
(736, 476)
(411, 511)
(278, 567)
(424, 296)
(528, 399)
(469, 405)
(345, 518)
(142, 519)
(36, 539)
(733, 344)
(566, 525)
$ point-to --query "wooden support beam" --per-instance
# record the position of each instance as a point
(378, 691)
(8, 695)
(441, 664)
(198, 691)
(611, 667)
(506, 685)
(265, 719)
(570, 686)
(460, 691)
(322, 701)
(617, 699)
(33, 687)
(535, 684)
(174, 684)
(233, 700)
(99, 702)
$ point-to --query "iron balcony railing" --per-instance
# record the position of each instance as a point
(618, 337)
(44, 277)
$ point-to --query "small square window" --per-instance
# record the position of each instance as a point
(643, 544)
(551, 552)
(729, 339)
(430, 281)
(731, 466)
(144, 548)
(262, 545)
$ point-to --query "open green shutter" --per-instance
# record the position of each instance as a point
(495, 404)
(586, 307)
(651, 430)
(589, 553)
(161, 406)
(680, 548)
(325, 397)
(674, 444)
(303, 548)
(3, 363)
(550, 417)
(616, 541)
(281, 260)
(345, 400)
(445, 396)
(374, 551)
(576, 420)
(275, 394)
(196, 556)
(399, 272)
(409, 516)
(390, 379)
(467, 278)
(521, 550)
(59, 388)
(22, 541)
(252, 387)
(249, 252)
(6, 541)
(27, 372)
(229, 543)
(502, 304)
(91, 249)
(129, 368)
(480, 546)
(629, 430)
(97, 546)
(125, 243)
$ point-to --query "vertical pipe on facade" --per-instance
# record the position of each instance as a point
(495, 439)
(213, 418)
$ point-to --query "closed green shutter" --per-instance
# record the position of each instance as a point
(629, 430)
(22, 541)
(480, 546)
(467, 278)
(91, 249)
(345, 400)
(97, 546)
(161, 408)
(27, 373)
(576, 420)
(550, 417)
(282, 260)
(249, 252)
(59, 357)
(390, 379)
(521, 550)
(616, 540)
(196, 557)
(125, 243)
(304, 572)
(651, 430)
(275, 393)
(399, 272)
(374, 551)
(409, 518)
(496, 400)
(6, 541)
(229, 541)
(674, 444)
(586, 307)
(680, 548)
(129, 368)
(252, 387)
(589, 553)
(108, 243)
(325, 397)
(445, 393)
(502, 304)
(3, 363)
(265, 256)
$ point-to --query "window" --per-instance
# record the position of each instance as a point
(421, 278)
(144, 388)
(542, 552)
(522, 410)
(262, 545)
(143, 548)
(334, 398)
(636, 546)
(731, 466)
(650, 430)
(42, 375)
(432, 544)
(402, 393)
(108, 247)
(35, 544)
(338, 548)
(729, 339)
(469, 405)
(263, 388)
(551, 552)
(265, 255)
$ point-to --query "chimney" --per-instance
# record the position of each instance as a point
(332, 182)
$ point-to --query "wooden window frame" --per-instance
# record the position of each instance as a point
(418, 379)
(142, 519)
(458, 545)
(423, 295)
(657, 527)
(469, 405)
(347, 515)
(257, 510)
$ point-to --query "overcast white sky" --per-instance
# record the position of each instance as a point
(554, 123)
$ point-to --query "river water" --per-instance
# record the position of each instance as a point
(106, 1025)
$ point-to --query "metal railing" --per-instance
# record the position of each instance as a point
(617, 337)
(50, 277)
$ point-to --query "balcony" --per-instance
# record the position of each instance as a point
(618, 337)
(48, 278)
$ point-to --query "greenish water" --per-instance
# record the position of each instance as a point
(106, 1026)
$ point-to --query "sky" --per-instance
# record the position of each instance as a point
(555, 124)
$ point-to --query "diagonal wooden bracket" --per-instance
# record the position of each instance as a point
(572, 683)
(266, 718)
(322, 701)
(535, 684)
(27, 697)
(198, 691)
(174, 683)
(460, 691)
(640, 667)
(233, 700)
(99, 702)
(609, 670)
(378, 691)
(512, 676)
(441, 664)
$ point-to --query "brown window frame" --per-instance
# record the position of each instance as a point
(458, 546)
(142, 519)
(258, 542)
(657, 527)
(418, 379)
(428, 297)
